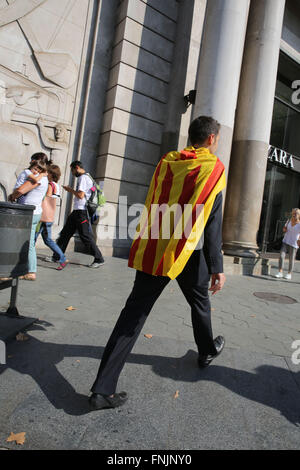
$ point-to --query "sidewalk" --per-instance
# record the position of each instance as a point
(249, 398)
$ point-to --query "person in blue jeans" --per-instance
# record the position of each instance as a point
(48, 214)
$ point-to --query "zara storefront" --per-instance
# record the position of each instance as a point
(282, 184)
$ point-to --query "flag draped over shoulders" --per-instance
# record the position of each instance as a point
(179, 201)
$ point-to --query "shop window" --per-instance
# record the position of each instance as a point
(285, 133)
(282, 184)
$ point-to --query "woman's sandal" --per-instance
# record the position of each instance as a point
(62, 265)
(101, 402)
(29, 277)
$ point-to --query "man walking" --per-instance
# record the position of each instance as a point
(194, 178)
(79, 218)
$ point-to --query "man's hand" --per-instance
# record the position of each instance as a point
(79, 194)
(68, 188)
(217, 282)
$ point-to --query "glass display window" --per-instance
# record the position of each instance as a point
(282, 183)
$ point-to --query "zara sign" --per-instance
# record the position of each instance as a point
(280, 156)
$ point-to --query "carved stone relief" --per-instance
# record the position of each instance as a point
(16, 9)
(58, 145)
(17, 142)
(41, 45)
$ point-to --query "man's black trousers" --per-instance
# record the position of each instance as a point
(79, 220)
(193, 281)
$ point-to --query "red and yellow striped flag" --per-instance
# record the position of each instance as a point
(180, 198)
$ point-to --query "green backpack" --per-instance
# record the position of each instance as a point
(95, 201)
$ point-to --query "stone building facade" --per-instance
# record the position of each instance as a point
(114, 74)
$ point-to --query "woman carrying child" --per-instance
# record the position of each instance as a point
(30, 189)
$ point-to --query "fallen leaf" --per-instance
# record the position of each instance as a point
(22, 337)
(148, 336)
(70, 308)
(176, 394)
(18, 438)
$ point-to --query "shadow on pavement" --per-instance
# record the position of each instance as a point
(269, 385)
(53, 265)
(271, 278)
(39, 361)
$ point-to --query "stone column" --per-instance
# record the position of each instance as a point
(220, 66)
(191, 15)
(252, 128)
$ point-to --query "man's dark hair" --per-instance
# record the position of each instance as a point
(75, 164)
(201, 128)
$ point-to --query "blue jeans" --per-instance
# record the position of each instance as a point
(292, 255)
(32, 263)
(45, 230)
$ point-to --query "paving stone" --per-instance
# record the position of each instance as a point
(247, 399)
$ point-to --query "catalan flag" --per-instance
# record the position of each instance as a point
(180, 198)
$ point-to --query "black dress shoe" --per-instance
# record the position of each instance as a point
(101, 402)
(204, 361)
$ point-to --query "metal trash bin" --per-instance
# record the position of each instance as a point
(15, 230)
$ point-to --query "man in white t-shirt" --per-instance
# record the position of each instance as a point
(79, 218)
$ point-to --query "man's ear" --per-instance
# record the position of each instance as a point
(210, 139)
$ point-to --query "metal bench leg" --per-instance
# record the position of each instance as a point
(12, 309)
